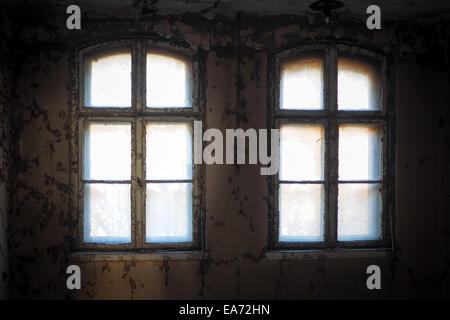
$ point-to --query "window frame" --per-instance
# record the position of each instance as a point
(138, 115)
(331, 118)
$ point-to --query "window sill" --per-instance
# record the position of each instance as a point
(328, 254)
(97, 256)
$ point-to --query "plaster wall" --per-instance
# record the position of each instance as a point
(236, 53)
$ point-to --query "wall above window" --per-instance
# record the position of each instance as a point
(400, 9)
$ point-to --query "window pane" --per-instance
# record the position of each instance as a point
(107, 151)
(301, 212)
(169, 212)
(358, 85)
(167, 82)
(107, 213)
(108, 81)
(302, 84)
(169, 151)
(359, 211)
(360, 152)
(301, 152)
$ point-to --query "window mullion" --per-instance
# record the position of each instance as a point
(133, 192)
(332, 184)
(330, 83)
(138, 184)
(331, 139)
(139, 75)
(80, 184)
(139, 179)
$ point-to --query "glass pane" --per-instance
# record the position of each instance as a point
(301, 152)
(302, 84)
(359, 211)
(169, 212)
(358, 85)
(360, 152)
(169, 151)
(301, 212)
(167, 82)
(108, 81)
(107, 151)
(107, 213)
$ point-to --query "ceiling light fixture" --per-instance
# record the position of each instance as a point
(148, 9)
(326, 6)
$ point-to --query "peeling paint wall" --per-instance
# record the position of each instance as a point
(236, 196)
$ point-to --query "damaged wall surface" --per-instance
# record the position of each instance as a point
(235, 263)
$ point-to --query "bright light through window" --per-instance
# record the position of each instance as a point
(360, 152)
(107, 151)
(137, 182)
(167, 82)
(358, 85)
(108, 81)
(302, 84)
(330, 184)
(360, 173)
(107, 175)
(301, 192)
(169, 182)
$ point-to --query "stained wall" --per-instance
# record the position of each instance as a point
(234, 264)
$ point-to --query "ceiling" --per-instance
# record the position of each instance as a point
(390, 9)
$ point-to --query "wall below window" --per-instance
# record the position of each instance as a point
(236, 94)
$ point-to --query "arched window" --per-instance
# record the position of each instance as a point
(135, 184)
(108, 80)
(329, 103)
